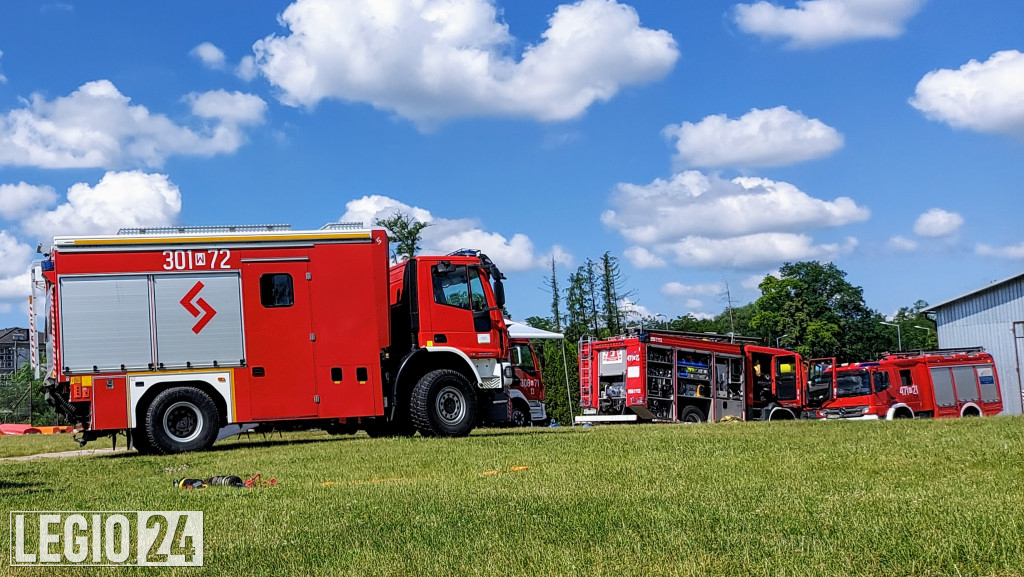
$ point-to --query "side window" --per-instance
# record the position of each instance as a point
(451, 288)
(276, 290)
(881, 381)
(476, 290)
(785, 378)
(905, 380)
(523, 358)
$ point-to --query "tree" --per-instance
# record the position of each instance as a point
(813, 307)
(404, 233)
(551, 283)
(612, 292)
(590, 288)
(917, 332)
(577, 319)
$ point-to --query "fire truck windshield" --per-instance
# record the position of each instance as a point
(853, 384)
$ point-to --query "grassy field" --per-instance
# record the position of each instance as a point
(799, 498)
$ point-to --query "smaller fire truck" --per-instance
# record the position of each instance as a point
(170, 334)
(671, 376)
(923, 384)
(521, 404)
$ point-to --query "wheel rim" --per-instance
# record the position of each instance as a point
(691, 418)
(450, 405)
(183, 422)
(518, 418)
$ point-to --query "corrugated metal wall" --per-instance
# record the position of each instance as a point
(986, 319)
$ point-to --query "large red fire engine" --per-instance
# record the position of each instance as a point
(943, 383)
(169, 334)
(667, 376)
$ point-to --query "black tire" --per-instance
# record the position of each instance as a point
(520, 416)
(181, 419)
(692, 415)
(141, 441)
(443, 404)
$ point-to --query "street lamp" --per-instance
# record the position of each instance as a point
(778, 339)
(899, 337)
(927, 335)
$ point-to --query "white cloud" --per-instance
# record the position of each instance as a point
(693, 304)
(825, 22)
(634, 311)
(211, 56)
(981, 96)
(246, 69)
(678, 289)
(692, 203)
(230, 107)
(902, 243)
(97, 126)
(2, 77)
(18, 200)
(643, 258)
(15, 286)
(753, 282)
(753, 250)
(119, 199)
(772, 137)
(1013, 252)
(937, 222)
(432, 60)
(14, 256)
(447, 235)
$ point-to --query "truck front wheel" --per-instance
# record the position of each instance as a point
(443, 404)
(520, 415)
(181, 419)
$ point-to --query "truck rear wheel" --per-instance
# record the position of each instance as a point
(443, 404)
(692, 415)
(181, 419)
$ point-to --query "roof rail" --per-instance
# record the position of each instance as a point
(713, 337)
(938, 352)
(342, 226)
(216, 228)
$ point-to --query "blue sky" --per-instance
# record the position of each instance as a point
(701, 143)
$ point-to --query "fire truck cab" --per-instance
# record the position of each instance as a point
(169, 334)
(923, 384)
(688, 377)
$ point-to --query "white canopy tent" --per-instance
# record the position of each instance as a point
(523, 331)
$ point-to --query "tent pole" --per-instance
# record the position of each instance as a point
(568, 394)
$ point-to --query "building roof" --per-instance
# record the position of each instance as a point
(983, 289)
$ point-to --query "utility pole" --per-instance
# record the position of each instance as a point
(732, 323)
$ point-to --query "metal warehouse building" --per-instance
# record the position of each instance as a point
(990, 317)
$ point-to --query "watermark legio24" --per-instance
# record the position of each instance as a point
(106, 538)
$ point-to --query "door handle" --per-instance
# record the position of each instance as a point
(439, 338)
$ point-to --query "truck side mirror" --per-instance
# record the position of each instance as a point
(499, 292)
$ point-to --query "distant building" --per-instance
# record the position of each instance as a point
(14, 349)
(990, 317)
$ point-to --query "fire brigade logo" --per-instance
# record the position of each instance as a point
(201, 310)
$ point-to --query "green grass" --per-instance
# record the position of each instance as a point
(19, 445)
(800, 498)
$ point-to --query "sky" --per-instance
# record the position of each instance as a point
(703, 143)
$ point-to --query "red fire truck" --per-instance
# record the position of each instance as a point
(169, 334)
(942, 383)
(691, 377)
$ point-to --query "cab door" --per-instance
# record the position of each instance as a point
(279, 339)
(460, 311)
